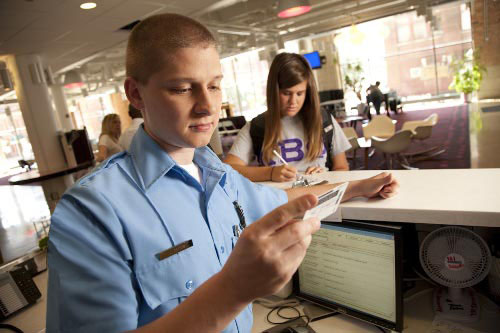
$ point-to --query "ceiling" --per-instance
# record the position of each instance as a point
(67, 36)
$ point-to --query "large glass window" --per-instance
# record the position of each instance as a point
(14, 141)
(89, 111)
(409, 53)
(244, 83)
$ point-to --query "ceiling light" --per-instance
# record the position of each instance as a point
(73, 79)
(88, 5)
(233, 32)
(291, 8)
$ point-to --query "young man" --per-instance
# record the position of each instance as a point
(151, 240)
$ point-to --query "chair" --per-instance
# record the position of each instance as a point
(231, 125)
(228, 130)
(393, 147)
(379, 126)
(422, 130)
(412, 124)
(352, 136)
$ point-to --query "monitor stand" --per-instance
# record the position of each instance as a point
(315, 312)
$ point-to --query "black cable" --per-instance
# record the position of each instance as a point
(11, 328)
(278, 309)
(380, 328)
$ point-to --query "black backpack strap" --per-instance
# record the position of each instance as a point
(257, 131)
(328, 131)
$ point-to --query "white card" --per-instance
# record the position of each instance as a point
(328, 203)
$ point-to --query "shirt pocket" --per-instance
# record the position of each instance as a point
(172, 278)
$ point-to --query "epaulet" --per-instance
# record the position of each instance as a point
(106, 164)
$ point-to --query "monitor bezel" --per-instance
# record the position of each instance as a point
(318, 57)
(398, 246)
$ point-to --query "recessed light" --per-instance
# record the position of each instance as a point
(88, 5)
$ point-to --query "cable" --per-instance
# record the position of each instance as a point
(278, 309)
(11, 328)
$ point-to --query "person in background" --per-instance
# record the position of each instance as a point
(376, 97)
(306, 137)
(129, 133)
(110, 134)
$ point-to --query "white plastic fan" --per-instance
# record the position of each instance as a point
(456, 258)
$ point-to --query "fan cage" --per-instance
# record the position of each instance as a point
(470, 246)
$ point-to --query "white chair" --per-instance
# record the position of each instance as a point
(422, 130)
(352, 136)
(413, 124)
(380, 126)
(393, 147)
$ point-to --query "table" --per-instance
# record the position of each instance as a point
(34, 176)
(418, 317)
(332, 102)
(32, 318)
(444, 196)
(351, 121)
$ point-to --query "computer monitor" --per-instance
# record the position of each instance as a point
(314, 59)
(355, 268)
(331, 95)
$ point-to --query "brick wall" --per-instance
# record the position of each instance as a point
(490, 47)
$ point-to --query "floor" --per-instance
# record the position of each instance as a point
(484, 135)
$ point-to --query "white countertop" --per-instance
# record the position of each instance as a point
(442, 196)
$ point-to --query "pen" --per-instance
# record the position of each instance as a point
(297, 176)
(279, 156)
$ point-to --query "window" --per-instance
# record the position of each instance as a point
(244, 83)
(14, 141)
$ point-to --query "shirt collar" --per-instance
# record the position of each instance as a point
(152, 162)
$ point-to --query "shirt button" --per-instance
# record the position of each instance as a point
(222, 249)
(189, 284)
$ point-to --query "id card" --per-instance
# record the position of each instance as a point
(327, 203)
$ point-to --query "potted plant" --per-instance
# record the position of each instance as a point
(354, 78)
(468, 75)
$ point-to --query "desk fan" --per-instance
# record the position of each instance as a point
(456, 258)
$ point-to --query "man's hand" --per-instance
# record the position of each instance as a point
(383, 184)
(269, 251)
(283, 173)
(314, 169)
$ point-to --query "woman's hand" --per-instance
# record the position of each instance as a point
(283, 173)
(383, 184)
(314, 169)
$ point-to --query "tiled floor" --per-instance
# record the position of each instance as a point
(484, 135)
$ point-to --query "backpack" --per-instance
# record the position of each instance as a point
(258, 125)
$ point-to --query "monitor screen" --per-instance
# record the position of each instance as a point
(355, 269)
(314, 59)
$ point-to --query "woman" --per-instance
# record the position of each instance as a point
(293, 127)
(108, 140)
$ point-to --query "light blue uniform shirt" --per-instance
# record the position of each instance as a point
(106, 230)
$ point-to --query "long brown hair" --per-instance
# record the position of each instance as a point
(288, 70)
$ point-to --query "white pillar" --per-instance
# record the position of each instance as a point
(41, 124)
(61, 107)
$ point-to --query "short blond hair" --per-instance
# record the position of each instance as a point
(154, 38)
